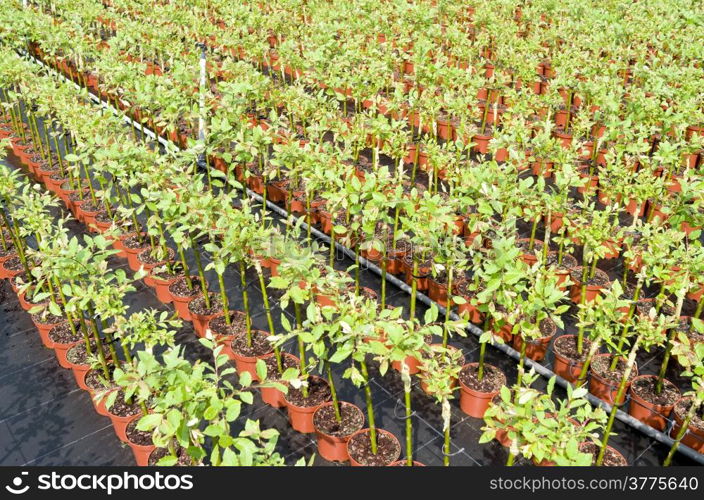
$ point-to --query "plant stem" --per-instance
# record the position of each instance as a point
(370, 406)
(683, 430)
(619, 394)
(245, 300)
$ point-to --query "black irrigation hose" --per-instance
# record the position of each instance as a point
(624, 417)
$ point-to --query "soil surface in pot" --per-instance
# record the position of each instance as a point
(602, 364)
(132, 242)
(567, 347)
(525, 244)
(135, 436)
(78, 354)
(165, 275)
(360, 447)
(318, 393)
(352, 420)
(150, 258)
(272, 368)
(600, 278)
(5, 253)
(121, 408)
(198, 306)
(681, 409)
(611, 458)
(365, 292)
(91, 207)
(95, 379)
(238, 324)
(62, 334)
(180, 287)
(159, 453)
(103, 217)
(645, 389)
(492, 381)
(568, 262)
(12, 264)
(46, 318)
(260, 344)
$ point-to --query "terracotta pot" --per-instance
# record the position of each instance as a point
(271, 395)
(565, 367)
(301, 417)
(656, 416)
(355, 463)
(694, 437)
(475, 403)
(605, 389)
(334, 448)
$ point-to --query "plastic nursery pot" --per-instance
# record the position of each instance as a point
(180, 300)
(475, 402)
(694, 437)
(44, 328)
(247, 362)
(132, 253)
(271, 395)
(536, 349)
(600, 281)
(119, 424)
(564, 366)
(98, 404)
(453, 383)
(161, 287)
(604, 388)
(612, 457)
(437, 292)
(144, 260)
(412, 362)
(403, 463)
(359, 450)
(200, 321)
(79, 370)
(9, 268)
(28, 304)
(61, 348)
(652, 414)
(141, 452)
(333, 448)
(301, 417)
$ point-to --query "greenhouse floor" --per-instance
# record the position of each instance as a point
(46, 419)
